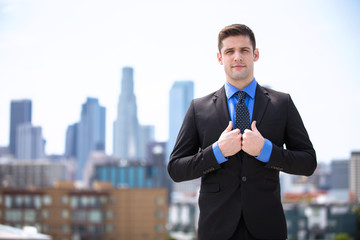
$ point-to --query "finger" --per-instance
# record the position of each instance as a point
(246, 131)
(253, 126)
(229, 127)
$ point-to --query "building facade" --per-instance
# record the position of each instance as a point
(101, 213)
(20, 112)
(25, 174)
(355, 175)
(181, 94)
(71, 141)
(29, 142)
(90, 133)
(126, 126)
(340, 178)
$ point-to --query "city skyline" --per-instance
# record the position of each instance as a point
(58, 56)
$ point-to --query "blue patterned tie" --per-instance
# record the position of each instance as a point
(242, 118)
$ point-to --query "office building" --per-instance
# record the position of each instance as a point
(127, 144)
(20, 112)
(355, 175)
(71, 141)
(25, 174)
(147, 135)
(181, 94)
(29, 142)
(101, 213)
(340, 177)
(130, 174)
(90, 133)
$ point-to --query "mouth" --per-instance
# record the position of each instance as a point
(238, 66)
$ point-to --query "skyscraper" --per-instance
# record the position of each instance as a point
(29, 142)
(355, 175)
(71, 141)
(20, 112)
(90, 133)
(181, 94)
(126, 126)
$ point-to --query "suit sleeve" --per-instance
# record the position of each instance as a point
(188, 160)
(299, 156)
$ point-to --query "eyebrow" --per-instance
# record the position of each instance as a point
(242, 48)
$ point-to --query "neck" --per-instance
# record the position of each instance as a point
(240, 84)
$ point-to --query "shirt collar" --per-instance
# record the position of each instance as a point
(230, 90)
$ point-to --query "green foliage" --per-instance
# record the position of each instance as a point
(171, 238)
(342, 236)
(357, 210)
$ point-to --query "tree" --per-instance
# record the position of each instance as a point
(357, 210)
(342, 236)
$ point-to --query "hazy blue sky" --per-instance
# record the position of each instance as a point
(58, 53)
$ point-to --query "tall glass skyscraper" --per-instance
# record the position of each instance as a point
(90, 133)
(20, 112)
(181, 94)
(29, 142)
(126, 126)
(71, 141)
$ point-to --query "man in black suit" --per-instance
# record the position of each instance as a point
(239, 168)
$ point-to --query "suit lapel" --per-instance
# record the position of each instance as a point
(261, 101)
(221, 106)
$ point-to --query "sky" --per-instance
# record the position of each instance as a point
(57, 53)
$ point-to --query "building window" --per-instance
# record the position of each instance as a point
(109, 228)
(95, 216)
(159, 214)
(18, 200)
(30, 216)
(110, 214)
(47, 200)
(65, 214)
(84, 201)
(13, 215)
(64, 228)
(74, 202)
(45, 214)
(159, 228)
(37, 201)
(160, 201)
(111, 200)
(46, 228)
(79, 216)
(103, 201)
(8, 201)
(64, 200)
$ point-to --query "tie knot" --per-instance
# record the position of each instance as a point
(241, 95)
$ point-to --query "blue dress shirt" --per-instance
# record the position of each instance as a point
(232, 99)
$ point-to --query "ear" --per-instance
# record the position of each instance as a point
(256, 55)
(219, 58)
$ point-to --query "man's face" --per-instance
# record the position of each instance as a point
(238, 57)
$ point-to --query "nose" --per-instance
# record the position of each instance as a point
(237, 56)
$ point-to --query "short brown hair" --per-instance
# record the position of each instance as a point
(236, 30)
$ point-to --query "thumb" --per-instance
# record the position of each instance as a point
(229, 127)
(253, 126)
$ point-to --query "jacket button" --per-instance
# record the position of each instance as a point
(243, 179)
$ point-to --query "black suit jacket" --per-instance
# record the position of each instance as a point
(241, 185)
